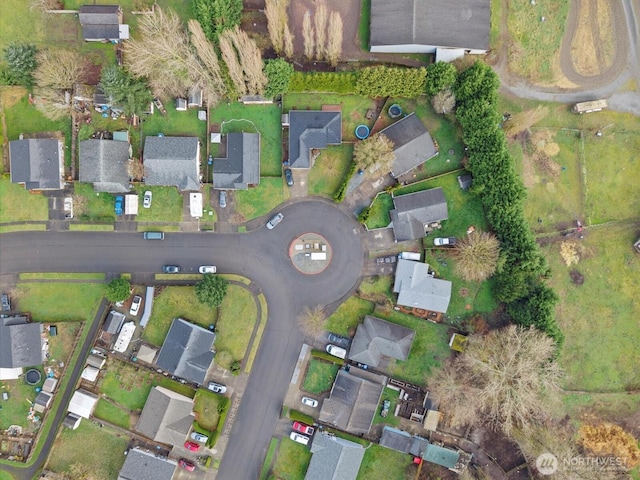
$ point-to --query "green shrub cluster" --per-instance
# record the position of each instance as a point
(216, 16)
(340, 82)
(342, 189)
(391, 82)
(297, 416)
(326, 356)
(364, 215)
(519, 284)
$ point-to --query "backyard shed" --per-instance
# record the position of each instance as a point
(83, 403)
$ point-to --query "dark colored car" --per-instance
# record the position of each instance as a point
(340, 341)
(303, 428)
(387, 259)
(288, 175)
(187, 465)
(192, 446)
(6, 304)
(170, 269)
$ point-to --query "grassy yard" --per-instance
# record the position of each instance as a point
(15, 410)
(17, 204)
(176, 124)
(381, 462)
(320, 376)
(112, 414)
(206, 406)
(101, 450)
(345, 319)
(379, 213)
(172, 303)
(18, 23)
(258, 201)
(60, 345)
(90, 205)
(390, 419)
(292, 460)
(166, 205)
(329, 169)
(238, 315)
(59, 301)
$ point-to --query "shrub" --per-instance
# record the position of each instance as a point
(321, 354)
(364, 215)
(117, 290)
(297, 416)
(391, 82)
(343, 82)
(342, 189)
(279, 73)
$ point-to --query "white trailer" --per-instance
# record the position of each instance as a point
(195, 205)
(131, 204)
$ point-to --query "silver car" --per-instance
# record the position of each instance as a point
(271, 224)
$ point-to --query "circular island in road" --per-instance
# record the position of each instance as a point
(310, 253)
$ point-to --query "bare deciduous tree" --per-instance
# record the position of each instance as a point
(46, 5)
(230, 57)
(251, 61)
(136, 169)
(375, 152)
(276, 12)
(51, 103)
(334, 39)
(215, 88)
(320, 20)
(59, 69)
(444, 101)
(308, 36)
(288, 42)
(312, 320)
(524, 120)
(477, 256)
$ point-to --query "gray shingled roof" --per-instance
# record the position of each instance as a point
(334, 458)
(102, 32)
(465, 181)
(417, 289)
(105, 163)
(141, 465)
(440, 23)
(38, 163)
(402, 441)
(312, 129)
(20, 342)
(412, 144)
(414, 211)
(43, 399)
(172, 161)
(241, 167)
(71, 420)
(353, 401)
(99, 14)
(166, 417)
(376, 337)
(187, 351)
(114, 322)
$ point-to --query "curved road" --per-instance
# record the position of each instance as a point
(261, 255)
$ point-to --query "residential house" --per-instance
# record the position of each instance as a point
(353, 401)
(311, 129)
(187, 351)
(102, 23)
(412, 144)
(172, 161)
(105, 163)
(37, 163)
(240, 168)
(417, 213)
(42, 402)
(430, 26)
(20, 342)
(417, 288)
(166, 417)
(143, 465)
(376, 338)
(402, 441)
(455, 460)
(334, 458)
(83, 403)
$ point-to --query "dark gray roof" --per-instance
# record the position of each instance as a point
(71, 420)
(166, 416)
(414, 211)
(352, 403)
(114, 322)
(465, 181)
(96, 360)
(417, 289)
(99, 14)
(439, 23)
(241, 167)
(412, 144)
(187, 351)
(195, 97)
(38, 163)
(106, 32)
(20, 342)
(312, 129)
(402, 441)
(172, 161)
(376, 337)
(43, 399)
(141, 465)
(334, 458)
(105, 163)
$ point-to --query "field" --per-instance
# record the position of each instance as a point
(238, 315)
(381, 462)
(59, 301)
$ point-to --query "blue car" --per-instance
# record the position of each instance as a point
(119, 205)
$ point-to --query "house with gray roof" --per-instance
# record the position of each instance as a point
(334, 458)
(20, 342)
(142, 465)
(105, 163)
(312, 129)
(102, 22)
(240, 167)
(187, 351)
(415, 213)
(412, 144)
(37, 163)
(416, 287)
(172, 161)
(353, 401)
(402, 441)
(376, 338)
(427, 26)
(166, 417)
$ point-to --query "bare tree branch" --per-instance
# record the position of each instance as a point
(308, 37)
(230, 57)
(320, 22)
(334, 39)
(59, 69)
(288, 42)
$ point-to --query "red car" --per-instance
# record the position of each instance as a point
(303, 428)
(193, 446)
(190, 467)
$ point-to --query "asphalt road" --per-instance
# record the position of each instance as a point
(261, 255)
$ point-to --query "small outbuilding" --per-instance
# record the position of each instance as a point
(83, 403)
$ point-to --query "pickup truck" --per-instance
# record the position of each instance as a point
(119, 205)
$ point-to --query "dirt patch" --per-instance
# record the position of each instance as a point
(503, 450)
(571, 252)
(577, 278)
(11, 95)
(543, 140)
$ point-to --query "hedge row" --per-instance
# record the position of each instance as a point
(297, 416)
(326, 356)
(323, 82)
(342, 189)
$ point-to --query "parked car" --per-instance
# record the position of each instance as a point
(387, 259)
(310, 402)
(444, 241)
(338, 340)
(68, 207)
(135, 305)
(6, 303)
(217, 387)
(223, 199)
(192, 446)
(153, 235)
(119, 205)
(288, 175)
(170, 269)
(296, 437)
(303, 428)
(271, 224)
(198, 437)
(385, 408)
(207, 269)
(148, 196)
(336, 351)
(187, 465)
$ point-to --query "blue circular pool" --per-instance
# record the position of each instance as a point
(362, 132)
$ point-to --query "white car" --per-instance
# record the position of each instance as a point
(68, 208)
(444, 241)
(336, 351)
(296, 437)
(271, 224)
(146, 202)
(135, 305)
(217, 387)
(207, 269)
(310, 402)
(198, 437)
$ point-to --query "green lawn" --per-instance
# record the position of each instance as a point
(62, 276)
(319, 377)
(17, 204)
(112, 414)
(166, 205)
(266, 465)
(206, 406)
(60, 345)
(390, 419)
(90, 205)
(60, 301)
(176, 124)
(345, 319)
(172, 303)
(292, 460)
(258, 201)
(238, 315)
(379, 213)
(329, 169)
(380, 462)
(15, 410)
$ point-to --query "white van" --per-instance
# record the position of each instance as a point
(336, 351)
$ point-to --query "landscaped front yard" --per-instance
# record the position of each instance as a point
(17, 204)
(208, 407)
(345, 319)
(59, 301)
(320, 376)
(258, 201)
(292, 460)
(329, 169)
